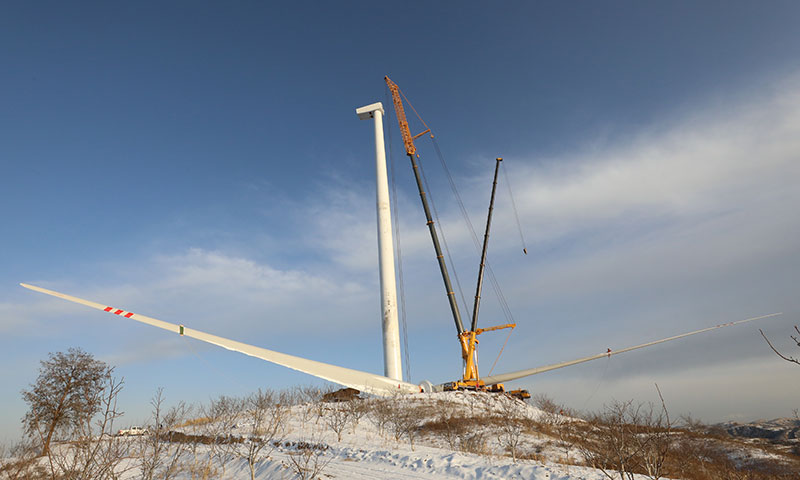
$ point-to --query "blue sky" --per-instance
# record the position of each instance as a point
(202, 163)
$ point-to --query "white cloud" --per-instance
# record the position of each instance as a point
(730, 159)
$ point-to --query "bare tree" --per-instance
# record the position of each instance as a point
(449, 424)
(93, 452)
(511, 425)
(547, 405)
(159, 457)
(307, 457)
(795, 338)
(308, 460)
(305, 412)
(405, 421)
(627, 438)
(267, 414)
(655, 440)
(21, 462)
(337, 416)
(473, 442)
(358, 408)
(380, 413)
(223, 414)
(65, 393)
(200, 446)
(309, 393)
(566, 432)
(615, 447)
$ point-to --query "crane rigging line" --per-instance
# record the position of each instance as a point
(444, 238)
(435, 213)
(398, 250)
(510, 330)
(492, 278)
(514, 207)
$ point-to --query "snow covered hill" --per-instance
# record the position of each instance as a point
(781, 429)
(444, 435)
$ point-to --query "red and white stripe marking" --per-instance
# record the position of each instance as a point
(118, 312)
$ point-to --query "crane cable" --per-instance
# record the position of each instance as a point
(514, 207)
(444, 238)
(398, 250)
(493, 280)
(501, 351)
(433, 204)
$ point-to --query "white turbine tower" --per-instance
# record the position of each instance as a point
(392, 366)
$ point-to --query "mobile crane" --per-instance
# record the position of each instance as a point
(470, 379)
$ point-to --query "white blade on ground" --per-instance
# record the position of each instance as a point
(364, 381)
(507, 377)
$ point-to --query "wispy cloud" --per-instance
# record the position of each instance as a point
(718, 160)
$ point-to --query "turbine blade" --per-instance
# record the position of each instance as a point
(507, 377)
(363, 381)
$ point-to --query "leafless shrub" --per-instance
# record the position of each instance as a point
(459, 430)
(688, 422)
(546, 404)
(628, 438)
(473, 443)
(320, 405)
(554, 412)
(307, 458)
(337, 416)
(308, 394)
(477, 402)
(198, 435)
(565, 430)
(655, 440)
(159, 457)
(358, 408)
(614, 450)
(447, 424)
(511, 425)
(92, 452)
(405, 421)
(20, 462)
(380, 412)
(311, 398)
(697, 457)
(224, 414)
(268, 414)
(306, 412)
(396, 415)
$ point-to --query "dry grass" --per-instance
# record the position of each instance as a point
(699, 453)
(195, 422)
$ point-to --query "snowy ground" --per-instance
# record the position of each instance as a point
(363, 453)
(455, 435)
(424, 462)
